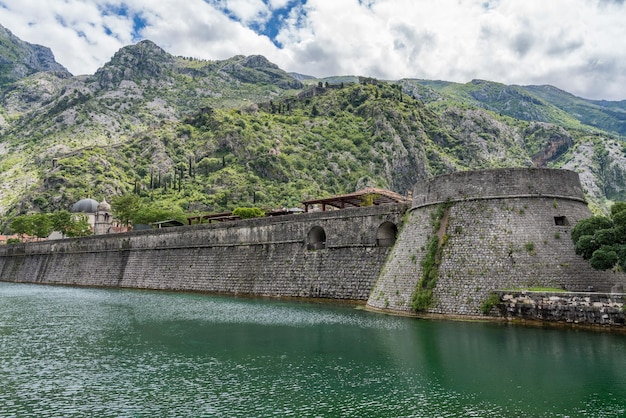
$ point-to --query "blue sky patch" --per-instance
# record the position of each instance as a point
(269, 25)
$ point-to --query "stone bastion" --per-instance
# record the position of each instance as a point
(502, 229)
(503, 183)
(497, 229)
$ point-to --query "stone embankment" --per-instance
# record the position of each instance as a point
(576, 308)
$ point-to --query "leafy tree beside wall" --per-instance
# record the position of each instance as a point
(602, 240)
(42, 224)
(70, 225)
(132, 209)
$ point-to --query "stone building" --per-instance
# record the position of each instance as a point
(98, 215)
(103, 222)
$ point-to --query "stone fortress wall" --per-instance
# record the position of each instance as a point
(335, 254)
(500, 229)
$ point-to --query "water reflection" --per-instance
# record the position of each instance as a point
(67, 351)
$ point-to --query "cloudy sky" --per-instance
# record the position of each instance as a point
(576, 45)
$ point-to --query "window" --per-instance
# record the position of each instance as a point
(561, 221)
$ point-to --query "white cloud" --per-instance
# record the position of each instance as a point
(200, 30)
(278, 4)
(577, 45)
(248, 11)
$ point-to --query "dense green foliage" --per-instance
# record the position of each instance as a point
(131, 209)
(42, 224)
(247, 213)
(189, 136)
(602, 240)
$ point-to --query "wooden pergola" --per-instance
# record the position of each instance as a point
(167, 224)
(212, 217)
(363, 197)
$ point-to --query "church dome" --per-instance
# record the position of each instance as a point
(85, 206)
(104, 206)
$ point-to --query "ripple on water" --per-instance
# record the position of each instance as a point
(89, 352)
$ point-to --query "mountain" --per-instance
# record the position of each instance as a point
(532, 103)
(213, 135)
(19, 59)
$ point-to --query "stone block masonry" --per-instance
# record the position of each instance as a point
(574, 308)
(505, 229)
(263, 256)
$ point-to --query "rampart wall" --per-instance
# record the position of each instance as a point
(497, 230)
(500, 229)
(264, 256)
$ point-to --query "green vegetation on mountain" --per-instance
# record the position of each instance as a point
(19, 59)
(530, 103)
(279, 153)
(194, 136)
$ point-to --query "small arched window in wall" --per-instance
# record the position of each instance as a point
(386, 234)
(316, 238)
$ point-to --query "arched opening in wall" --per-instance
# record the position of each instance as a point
(316, 239)
(386, 234)
(561, 221)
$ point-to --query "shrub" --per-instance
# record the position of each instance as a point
(603, 258)
(247, 213)
(602, 240)
(492, 300)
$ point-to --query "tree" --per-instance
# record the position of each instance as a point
(125, 207)
(42, 225)
(247, 213)
(61, 221)
(603, 258)
(22, 225)
(586, 246)
(588, 226)
(148, 214)
(602, 240)
(131, 209)
(78, 226)
(70, 225)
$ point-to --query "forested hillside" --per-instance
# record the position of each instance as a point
(215, 135)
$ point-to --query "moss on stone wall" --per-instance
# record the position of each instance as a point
(422, 297)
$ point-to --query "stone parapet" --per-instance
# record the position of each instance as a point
(498, 184)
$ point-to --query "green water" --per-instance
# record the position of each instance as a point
(93, 352)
